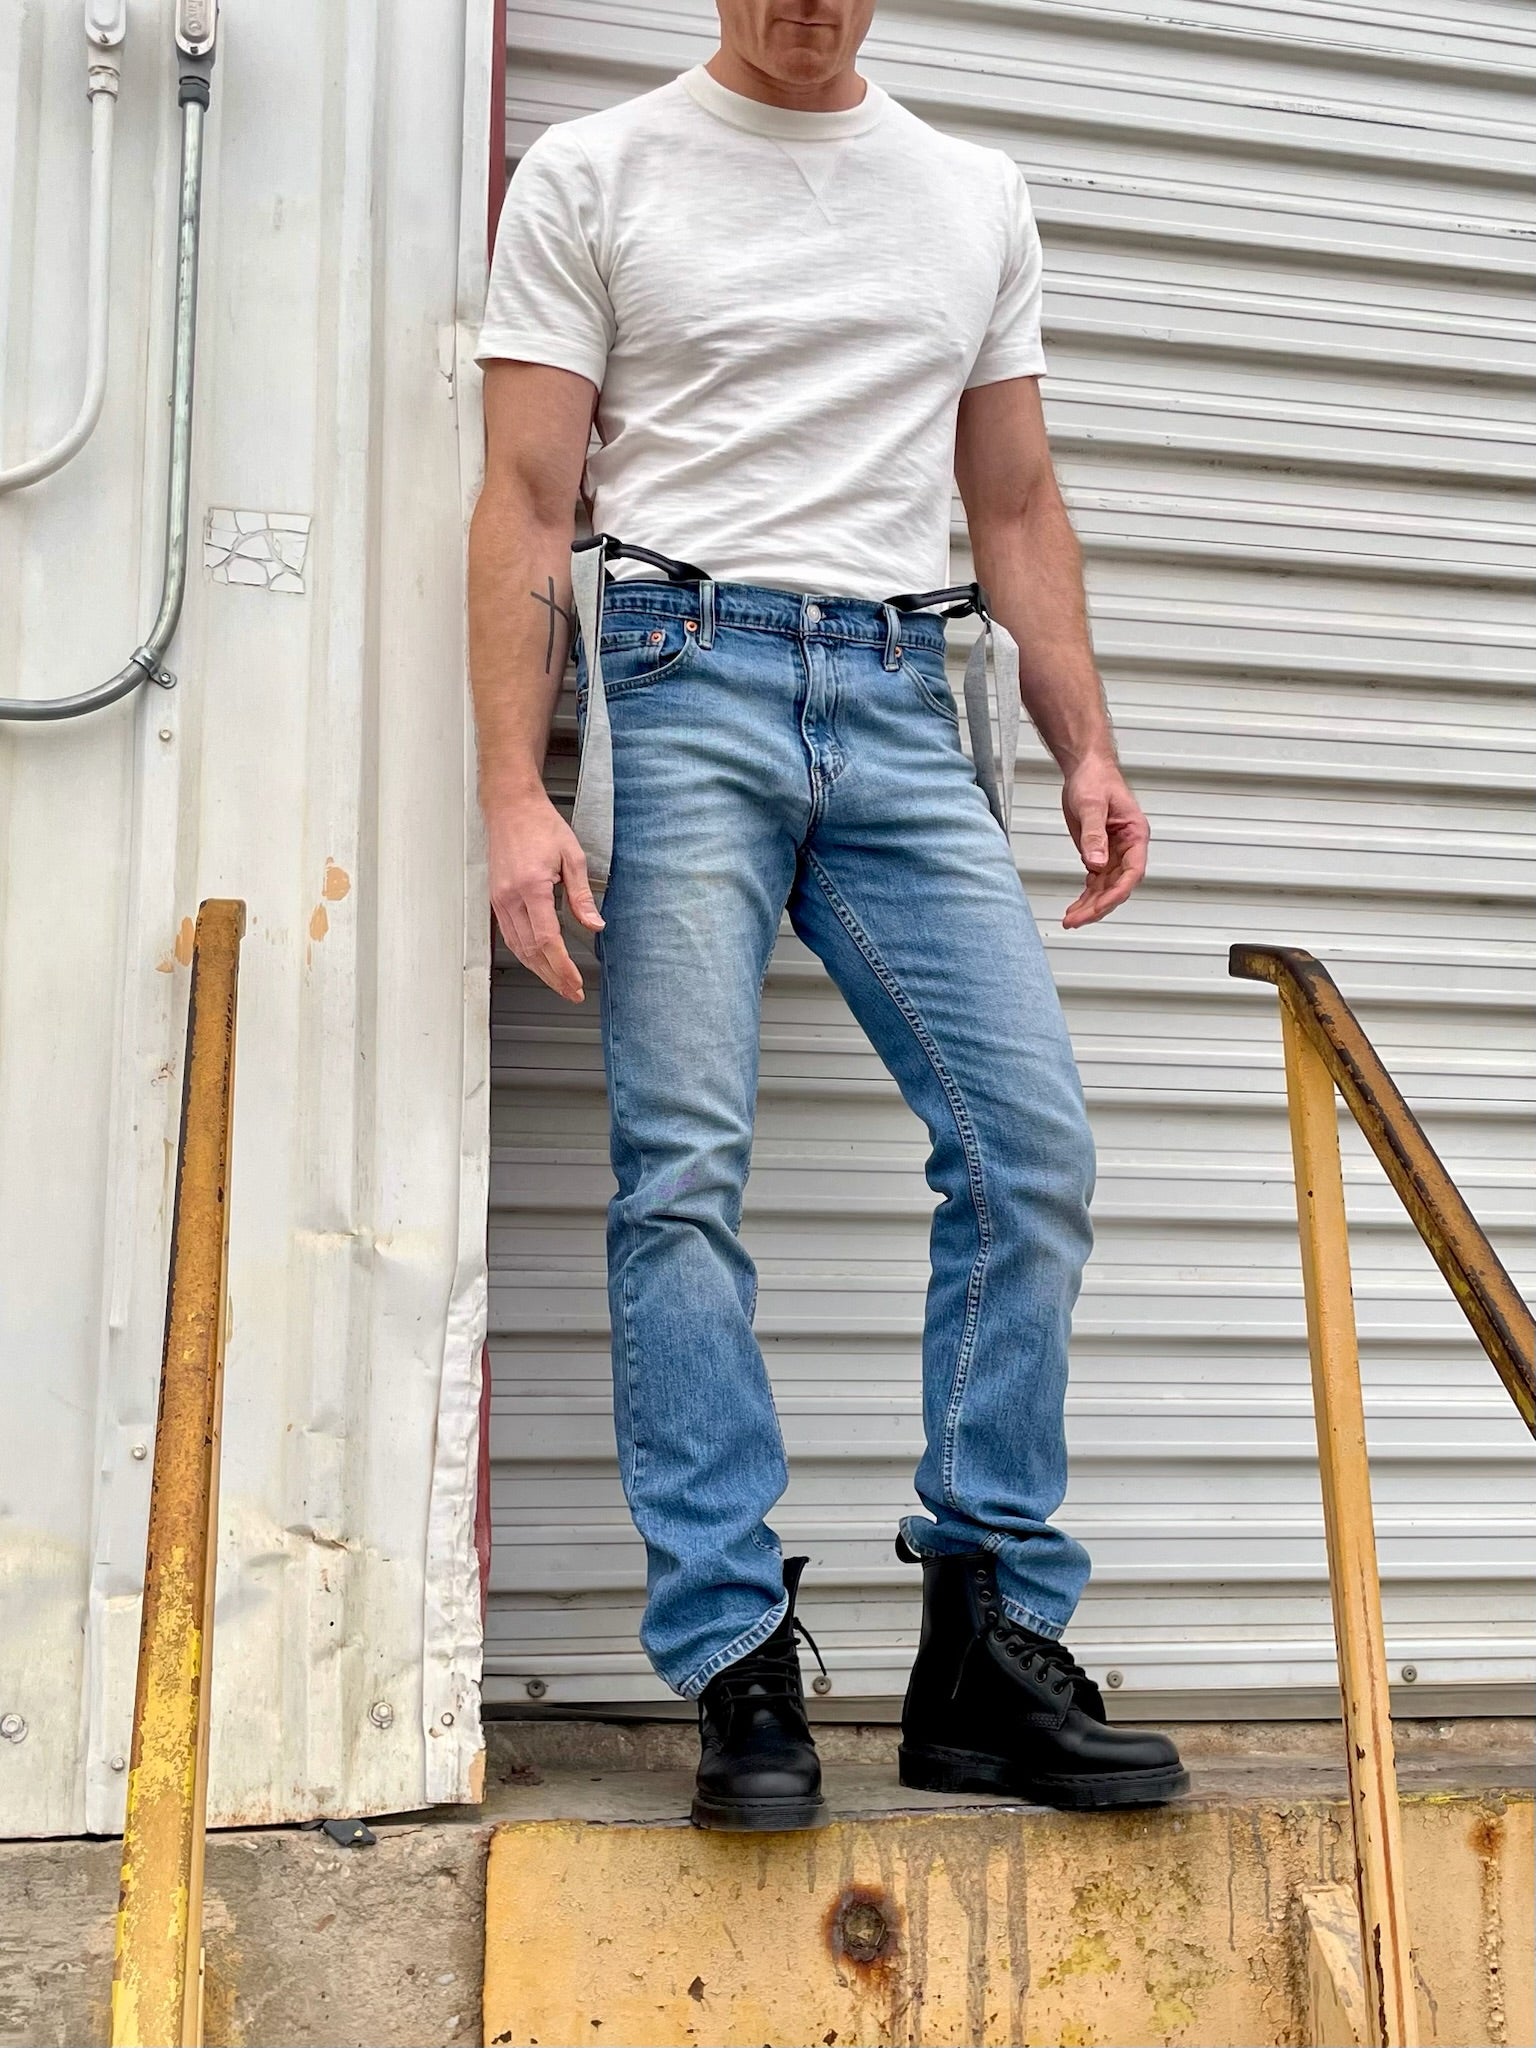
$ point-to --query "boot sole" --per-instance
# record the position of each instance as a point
(928, 1769)
(758, 1816)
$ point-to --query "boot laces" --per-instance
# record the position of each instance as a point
(757, 1679)
(1052, 1657)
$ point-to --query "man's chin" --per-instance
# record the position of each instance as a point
(802, 70)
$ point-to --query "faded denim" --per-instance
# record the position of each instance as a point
(774, 751)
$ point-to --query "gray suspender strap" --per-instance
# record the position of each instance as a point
(991, 692)
(592, 817)
(992, 714)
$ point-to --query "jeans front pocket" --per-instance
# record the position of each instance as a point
(645, 652)
(925, 671)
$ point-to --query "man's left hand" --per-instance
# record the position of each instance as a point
(1111, 833)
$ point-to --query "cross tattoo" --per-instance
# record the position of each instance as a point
(556, 610)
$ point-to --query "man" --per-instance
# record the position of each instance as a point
(793, 312)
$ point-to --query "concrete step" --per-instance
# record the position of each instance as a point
(598, 1915)
(920, 1918)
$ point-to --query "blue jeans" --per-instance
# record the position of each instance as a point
(773, 751)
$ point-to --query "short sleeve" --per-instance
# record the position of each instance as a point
(1011, 346)
(546, 301)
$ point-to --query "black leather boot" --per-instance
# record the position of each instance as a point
(758, 1767)
(992, 1707)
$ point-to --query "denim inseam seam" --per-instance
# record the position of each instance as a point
(964, 1130)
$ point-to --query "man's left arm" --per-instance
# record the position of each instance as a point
(1030, 564)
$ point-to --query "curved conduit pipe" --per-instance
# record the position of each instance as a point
(196, 24)
(105, 22)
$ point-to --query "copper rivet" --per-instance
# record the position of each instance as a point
(656, 638)
(690, 625)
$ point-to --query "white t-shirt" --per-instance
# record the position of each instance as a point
(780, 311)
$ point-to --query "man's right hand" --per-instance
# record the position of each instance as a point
(537, 425)
(532, 852)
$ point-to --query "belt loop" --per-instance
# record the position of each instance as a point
(706, 613)
(892, 636)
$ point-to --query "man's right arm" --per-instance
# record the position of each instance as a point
(537, 423)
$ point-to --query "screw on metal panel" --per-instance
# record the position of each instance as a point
(139, 1451)
(1114, 1680)
(535, 1688)
(119, 1763)
(165, 679)
(13, 1728)
(1410, 1673)
(381, 1714)
(447, 1720)
(165, 732)
(821, 1683)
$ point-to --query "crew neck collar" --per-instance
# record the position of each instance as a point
(783, 124)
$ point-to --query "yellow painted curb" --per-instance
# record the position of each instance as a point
(980, 1927)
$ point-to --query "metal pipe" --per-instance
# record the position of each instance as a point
(157, 1978)
(102, 91)
(146, 663)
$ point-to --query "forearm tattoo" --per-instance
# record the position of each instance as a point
(556, 611)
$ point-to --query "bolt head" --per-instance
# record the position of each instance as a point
(862, 1931)
(1410, 1674)
(821, 1683)
(1114, 1680)
(119, 1763)
(13, 1728)
(381, 1714)
(139, 1451)
(535, 1688)
(447, 1720)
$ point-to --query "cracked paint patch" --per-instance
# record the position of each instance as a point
(264, 550)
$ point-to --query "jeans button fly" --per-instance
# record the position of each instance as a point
(813, 614)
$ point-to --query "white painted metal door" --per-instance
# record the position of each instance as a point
(1290, 398)
(312, 759)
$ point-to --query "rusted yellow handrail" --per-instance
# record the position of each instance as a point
(1354, 1583)
(157, 1975)
(1324, 1048)
(1488, 1297)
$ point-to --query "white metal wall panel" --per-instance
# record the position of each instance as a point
(312, 761)
(1290, 398)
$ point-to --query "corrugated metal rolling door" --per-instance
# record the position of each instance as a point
(1287, 397)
